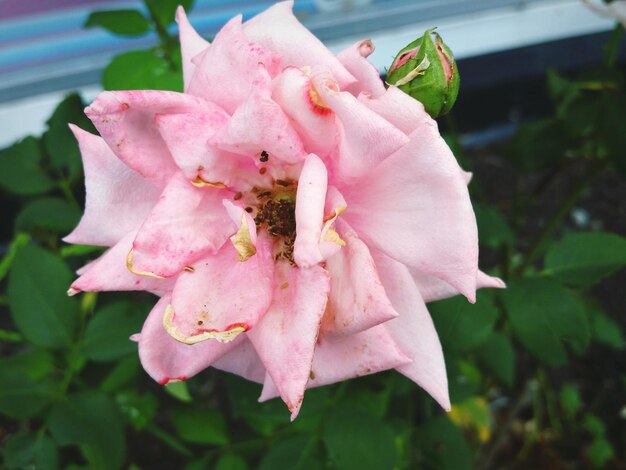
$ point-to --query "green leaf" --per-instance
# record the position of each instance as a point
(80, 250)
(124, 372)
(140, 70)
(570, 399)
(20, 240)
(296, 453)
(498, 355)
(28, 450)
(26, 384)
(48, 213)
(139, 409)
(231, 462)
(444, 445)
(164, 10)
(582, 259)
(90, 420)
(593, 425)
(493, 230)
(179, 390)
(538, 145)
(462, 326)
(106, 338)
(604, 329)
(464, 379)
(123, 22)
(20, 168)
(40, 307)
(542, 313)
(610, 132)
(600, 452)
(200, 426)
(59, 139)
(355, 440)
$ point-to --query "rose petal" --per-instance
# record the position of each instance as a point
(191, 44)
(125, 120)
(109, 273)
(415, 207)
(279, 30)
(222, 297)
(310, 200)
(285, 338)
(294, 92)
(365, 138)
(225, 71)
(413, 331)
(354, 58)
(259, 124)
(166, 359)
(118, 199)
(242, 360)
(357, 298)
(187, 224)
(432, 289)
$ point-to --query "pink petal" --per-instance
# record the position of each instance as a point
(354, 58)
(365, 138)
(225, 71)
(114, 193)
(242, 360)
(294, 92)
(166, 359)
(279, 30)
(260, 124)
(187, 224)
(187, 135)
(432, 289)
(357, 298)
(415, 207)
(109, 273)
(285, 338)
(310, 201)
(125, 119)
(364, 353)
(413, 331)
(223, 297)
(404, 112)
(191, 44)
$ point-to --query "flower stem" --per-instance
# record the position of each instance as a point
(538, 244)
(611, 48)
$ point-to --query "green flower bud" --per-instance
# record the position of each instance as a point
(426, 70)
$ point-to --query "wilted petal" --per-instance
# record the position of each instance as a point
(114, 193)
(279, 30)
(186, 224)
(225, 71)
(125, 120)
(109, 273)
(191, 44)
(354, 58)
(415, 207)
(222, 297)
(357, 298)
(166, 359)
(365, 138)
(413, 331)
(285, 338)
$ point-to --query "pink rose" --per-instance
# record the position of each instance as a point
(292, 214)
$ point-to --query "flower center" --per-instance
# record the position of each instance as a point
(275, 210)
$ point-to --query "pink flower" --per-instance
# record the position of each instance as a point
(292, 214)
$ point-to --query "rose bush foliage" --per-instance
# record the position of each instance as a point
(292, 214)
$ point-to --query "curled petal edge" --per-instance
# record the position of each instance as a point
(129, 265)
(225, 336)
